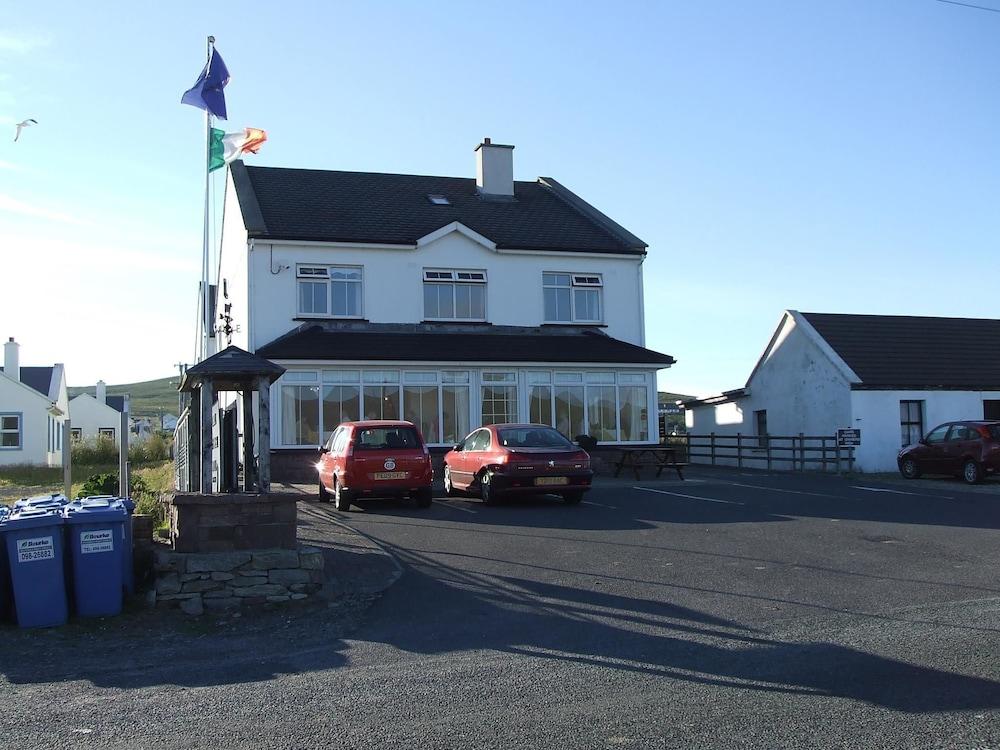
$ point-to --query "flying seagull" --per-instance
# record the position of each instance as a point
(22, 125)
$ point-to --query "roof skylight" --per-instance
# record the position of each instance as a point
(438, 200)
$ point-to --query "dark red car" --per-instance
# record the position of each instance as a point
(376, 458)
(970, 450)
(517, 458)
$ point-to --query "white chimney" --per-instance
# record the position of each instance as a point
(12, 359)
(102, 392)
(495, 169)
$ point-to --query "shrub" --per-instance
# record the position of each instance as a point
(95, 451)
(107, 484)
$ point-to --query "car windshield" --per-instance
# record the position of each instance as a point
(994, 431)
(382, 438)
(532, 437)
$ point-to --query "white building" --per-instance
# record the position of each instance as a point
(448, 301)
(33, 408)
(892, 377)
(97, 415)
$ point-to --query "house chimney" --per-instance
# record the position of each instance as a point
(494, 170)
(102, 392)
(12, 359)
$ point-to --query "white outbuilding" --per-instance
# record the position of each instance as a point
(892, 377)
(33, 408)
(97, 414)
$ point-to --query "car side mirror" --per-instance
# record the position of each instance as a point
(922, 441)
(456, 447)
(323, 449)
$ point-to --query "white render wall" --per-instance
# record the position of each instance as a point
(393, 283)
(877, 414)
(799, 386)
(34, 409)
(89, 415)
(233, 269)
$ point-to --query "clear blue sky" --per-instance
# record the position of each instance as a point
(836, 156)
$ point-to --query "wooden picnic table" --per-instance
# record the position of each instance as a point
(662, 457)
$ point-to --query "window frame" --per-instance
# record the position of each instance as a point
(106, 432)
(577, 281)
(910, 424)
(300, 277)
(19, 431)
(436, 277)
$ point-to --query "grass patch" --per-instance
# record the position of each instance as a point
(22, 480)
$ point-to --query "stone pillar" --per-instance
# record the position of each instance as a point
(205, 434)
(249, 481)
(264, 435)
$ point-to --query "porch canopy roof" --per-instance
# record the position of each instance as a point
(232, 369)
(447, 342)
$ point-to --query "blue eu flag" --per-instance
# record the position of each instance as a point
(207, 90)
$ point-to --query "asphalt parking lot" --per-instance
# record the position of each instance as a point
(735, 609)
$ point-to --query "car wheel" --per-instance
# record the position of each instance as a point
(449, 488)
(341, 500)
(972, 472)
(324, 494)
(486, 489)
(423, 497)
(572, 498)
(910, 469)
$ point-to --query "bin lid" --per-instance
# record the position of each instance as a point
(127, 502)
(55, 500)
(93, 510)
(29, 518)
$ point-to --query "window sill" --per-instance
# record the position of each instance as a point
(574, 325)
(307, 318)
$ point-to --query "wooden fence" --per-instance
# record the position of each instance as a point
(783, 452)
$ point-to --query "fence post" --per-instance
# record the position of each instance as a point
(837, 453)
(739, 449)
(687, 447)
(850, 459)
(767, 445)
(713, 449)
(67, 459)
(802, 451)
(823, 448)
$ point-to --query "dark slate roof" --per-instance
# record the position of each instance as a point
(448, 343)
(116, 402)
(331, 206)
(39, 378)
(228, 366)
(898, 351)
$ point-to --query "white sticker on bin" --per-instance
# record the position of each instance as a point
(101, 540)
(35, 549)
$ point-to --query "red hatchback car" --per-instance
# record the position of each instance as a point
(517, 458)
(377, 458)
(970, 450)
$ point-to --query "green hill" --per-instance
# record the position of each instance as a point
(147, 399)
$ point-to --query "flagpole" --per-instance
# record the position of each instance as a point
(207, 318)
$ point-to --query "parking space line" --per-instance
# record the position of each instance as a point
(899, 492)
(689, 497)
(790, 492)
(452, 506)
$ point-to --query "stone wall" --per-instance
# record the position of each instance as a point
(229, 580)
(231, 522)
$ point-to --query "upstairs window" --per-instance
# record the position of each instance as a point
(454, 295)
(329, 291)
(572, 298)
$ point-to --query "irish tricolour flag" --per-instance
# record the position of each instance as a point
(227, 147)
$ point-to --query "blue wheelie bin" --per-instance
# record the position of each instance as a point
(54, 500)
(128, 572)
(95, 535)
(34, 540)
(6, 606)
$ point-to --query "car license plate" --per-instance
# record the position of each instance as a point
(390, 475)
(550, 481)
